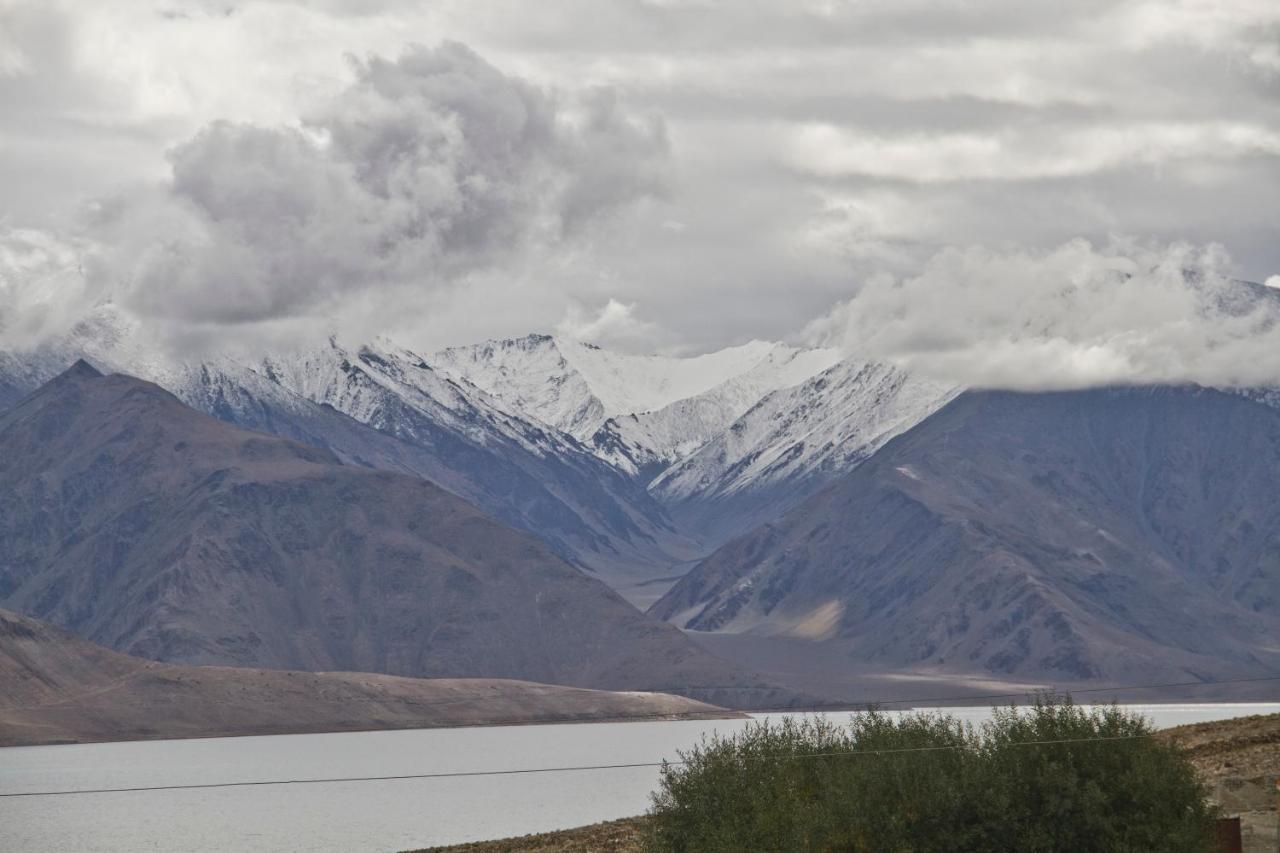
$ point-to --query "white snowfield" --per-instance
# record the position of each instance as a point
(678, 429)
(576, 387)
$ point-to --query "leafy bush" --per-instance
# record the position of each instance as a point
(1052, 777)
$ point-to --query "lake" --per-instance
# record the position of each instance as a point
(361, 816)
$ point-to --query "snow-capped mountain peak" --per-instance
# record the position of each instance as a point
(645, 442)
(577, 387)
(529, 375)
(795, 439)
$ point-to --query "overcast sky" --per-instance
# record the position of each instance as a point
(651, 174)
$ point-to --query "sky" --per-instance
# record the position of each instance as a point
(990, 190)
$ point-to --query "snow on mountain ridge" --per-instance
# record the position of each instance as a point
(797, 438)
(576, 387)
(529, 375)
(645, 442)
(629, 384)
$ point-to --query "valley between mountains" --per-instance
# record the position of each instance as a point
(764, 526)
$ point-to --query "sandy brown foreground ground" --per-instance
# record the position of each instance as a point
(1240, 759)
(615, 836)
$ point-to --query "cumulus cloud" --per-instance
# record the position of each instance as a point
(1073, 316)
(42, 288)
(427, 168)
(812, 144)
(615, 325)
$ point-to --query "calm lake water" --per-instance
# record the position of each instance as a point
(361, 816)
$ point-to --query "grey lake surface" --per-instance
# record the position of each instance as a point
(362, 816)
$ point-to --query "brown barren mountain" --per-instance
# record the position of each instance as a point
(152, 529)
(57, 688)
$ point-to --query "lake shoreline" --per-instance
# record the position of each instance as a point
(383, 790)
(725, 714)
(1233, 757)
(720, 714)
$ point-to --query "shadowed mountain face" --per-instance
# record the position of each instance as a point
(156, 530)
(1130, 533)
(58, 688)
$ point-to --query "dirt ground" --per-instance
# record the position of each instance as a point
(1240, 760)
(615, 836)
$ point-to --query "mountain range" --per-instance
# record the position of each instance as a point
(380, 406)
(746, 493)
(559, 438)
(1127, 534)
(153, 529)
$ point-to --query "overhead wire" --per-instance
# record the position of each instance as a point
(921, 702)
(462, 774)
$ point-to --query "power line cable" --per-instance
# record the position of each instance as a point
(460, 774)
(597, 767)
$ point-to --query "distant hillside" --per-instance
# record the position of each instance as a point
(145, 526)
(57, 688)
(1129, 534)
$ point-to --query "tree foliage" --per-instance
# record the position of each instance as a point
(1050, 778)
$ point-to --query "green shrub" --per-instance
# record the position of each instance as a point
(1052, 777)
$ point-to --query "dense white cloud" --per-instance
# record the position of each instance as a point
(812, 146)
(42, 287)
(614, 325)
(1072, 316)
(425, 169)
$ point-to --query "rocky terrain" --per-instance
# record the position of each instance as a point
(381, 406)
(1126, 535)
(1240, 761)
(793, 442)
(614, 836)
(1054, 546)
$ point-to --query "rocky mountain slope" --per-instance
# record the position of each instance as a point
(1107, 534)
(792, 442)
(154, 529)
(550, 435)
(383, 407)
(576, 387)
(520, 470)
(645, 443)
(639, 413)
(1238, 759)
(57, 688)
